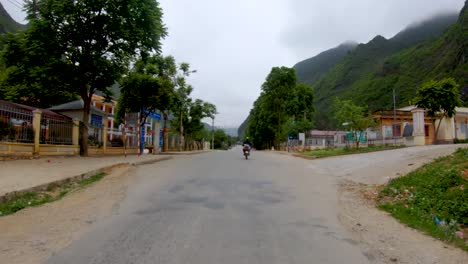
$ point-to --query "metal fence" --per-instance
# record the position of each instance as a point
(56, 129)
(397, 141)
(15, 123)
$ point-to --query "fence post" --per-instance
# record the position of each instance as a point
(37, 130)
(76, 132)
(156, 135)
(104, 135)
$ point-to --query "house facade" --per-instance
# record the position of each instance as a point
(97, 118)
(416, 128)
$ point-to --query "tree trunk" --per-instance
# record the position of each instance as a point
(181, 133)
(165, 134)
(85, 126)
(438, 126)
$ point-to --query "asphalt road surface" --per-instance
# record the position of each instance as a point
(220, 208)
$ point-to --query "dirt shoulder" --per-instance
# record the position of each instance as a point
(384, 238)
(34, 234)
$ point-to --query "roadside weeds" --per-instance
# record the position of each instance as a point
(433, 199)
(325, 153)
(38, 198)
(53, 191)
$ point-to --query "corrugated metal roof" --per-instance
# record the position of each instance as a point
(75, 105)
(32, 108)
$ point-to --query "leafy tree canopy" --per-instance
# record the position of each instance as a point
(283, 107)
(91, 42)
(440, 98)
(352, 117)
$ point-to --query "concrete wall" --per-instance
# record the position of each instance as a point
(59, 150)
(27, 149)
(16, 148)
(111, 151)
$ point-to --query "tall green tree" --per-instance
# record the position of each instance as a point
(92, 42)
(353, 118)
(194, 129)
(278, 88)
(34, 76)
(147, 88)
(440, 98)
(182, 100)
(283, 107)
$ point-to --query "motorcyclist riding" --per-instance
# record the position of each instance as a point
(247, 142)
(247, 146)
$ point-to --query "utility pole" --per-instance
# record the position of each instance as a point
(212, 133)
(394, 106)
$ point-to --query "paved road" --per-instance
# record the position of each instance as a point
(218, 208)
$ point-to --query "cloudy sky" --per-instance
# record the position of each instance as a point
(234, 44)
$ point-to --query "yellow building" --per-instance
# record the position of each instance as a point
(414, 125)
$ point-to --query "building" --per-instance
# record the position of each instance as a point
(98, 119)
(412, 124)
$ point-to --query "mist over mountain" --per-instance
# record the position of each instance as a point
(368, 73)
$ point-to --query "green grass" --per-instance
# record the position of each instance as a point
(52, 194)
(321, 153)
(91, 180)
(438, 189)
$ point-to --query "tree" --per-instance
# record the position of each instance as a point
(283, 107)
(92, 42)
(193, 127)
(278, 88)
(34, 76)
(221, 139)
(440, 98)
(147, 88)
(352, 117)
(182, 99)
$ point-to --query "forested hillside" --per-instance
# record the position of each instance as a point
(369, 73)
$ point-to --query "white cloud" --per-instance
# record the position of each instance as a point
(234, 44)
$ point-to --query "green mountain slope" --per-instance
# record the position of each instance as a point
(7, 24)
(371, 71)
(242, 128)
(312, 69)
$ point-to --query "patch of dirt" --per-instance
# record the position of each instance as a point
(383, 238)
(32, 235)
(465, 174)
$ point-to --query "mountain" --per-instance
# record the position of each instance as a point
(242, 128)
(311, 70)
(369, 72)
(7, 24)
(231, 131)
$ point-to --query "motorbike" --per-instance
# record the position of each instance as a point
(246, 150)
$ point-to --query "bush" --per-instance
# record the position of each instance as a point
(460, 141)
(7, 130)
